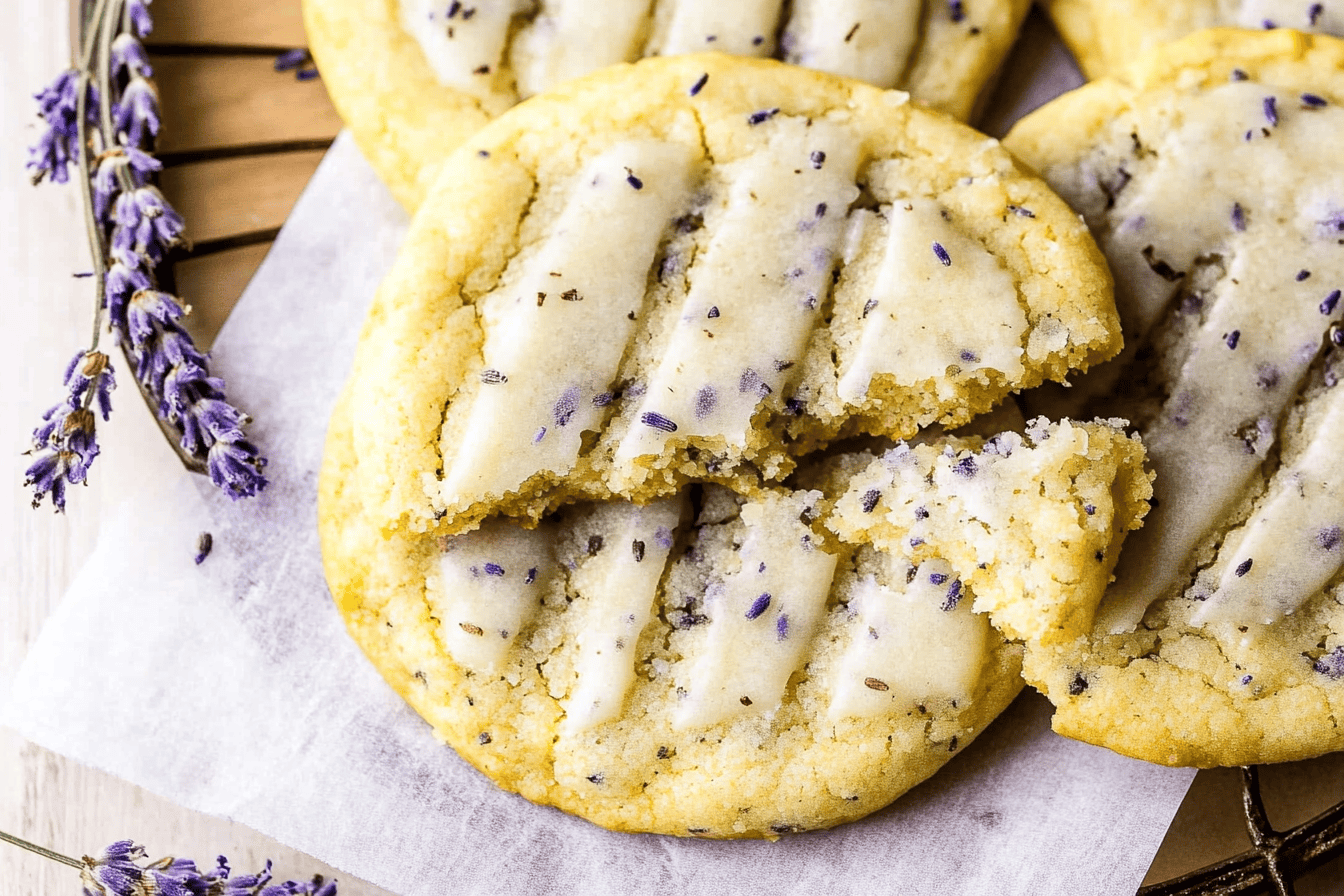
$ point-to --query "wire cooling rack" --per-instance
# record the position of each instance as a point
(1276, 860)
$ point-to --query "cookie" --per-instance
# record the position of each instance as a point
(699, 268)
(718, 665)
(1106, 36)
(1209, 178)
(414, 78)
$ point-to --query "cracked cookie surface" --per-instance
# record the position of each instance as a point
(414, 78)
(1209, 178)
(715, 665)
(701, 269)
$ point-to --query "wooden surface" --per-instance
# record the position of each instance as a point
(231, 101)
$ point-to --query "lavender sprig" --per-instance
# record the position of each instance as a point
(121, 870)
(103, 117)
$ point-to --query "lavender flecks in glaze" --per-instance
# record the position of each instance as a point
(491, 377)
(868, 306)
(953, 596)
(965, 467)
(1314, 12)
(938, 578)
(1021, 212)
(921, 513)
(939, 251)
(1331, 664)
(632, 180)
(705, 401)
(758, 606)
(1244, 567)
(637, 550)
(657, 421)
(956, 9)
(1329, 302)
(699, 84)
(663, 536)
(762, 116)
(531, 576)
(1312, 101)
(1238, 217)
(713, 312)
(1302, 275)
(1231, 339)
(870, 499)
(750, 381)
(1271, 107)
(565, 406)
(782, 627)
(818, 159)
(1329, 538)
(1237, 75)
(494, 569)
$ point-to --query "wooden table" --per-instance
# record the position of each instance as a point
(228, 98)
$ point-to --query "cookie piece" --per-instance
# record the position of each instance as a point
(414, 78)
(1106, 36)
(699, 268)
(714, 665)
(1209, 179)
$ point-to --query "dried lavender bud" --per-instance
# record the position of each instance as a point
(939, 251)
(632, 180)
(1329, 302)
(136, 116)
(1302, 275)
(956, 10)
(759, 606)
(1232, 339)
(1331, 664)
(657, 421)
(699, 84)
(705, 401)
(1329, 538)
(204, 542)
(1312, 101)
(965, 467)
(818, 159)
(762, 116)
(953, 596)
(494, 569)
(1271, 108)
(870, 499)
(1238, 217)
(490, 376)
(1244, 567)
(58, 146)
(782, 627)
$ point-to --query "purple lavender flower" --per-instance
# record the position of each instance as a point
(129, 57)
(58, 146)
(136, 116)
(132, 230)
(138, 13)
(146, 224)
(65, 443)
(119, 870)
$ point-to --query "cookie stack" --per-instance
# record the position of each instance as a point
(678, 482)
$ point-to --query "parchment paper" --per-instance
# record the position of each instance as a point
(232, 687)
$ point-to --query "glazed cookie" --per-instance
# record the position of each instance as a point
(716, 665)
(1211, 181)
(414, 78)
(1105, 36)
(699, 268)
